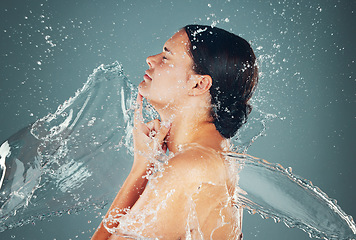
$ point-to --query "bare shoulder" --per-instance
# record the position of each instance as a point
(197, 165)
(192, 176)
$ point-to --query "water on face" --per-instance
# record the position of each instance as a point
(77, 157)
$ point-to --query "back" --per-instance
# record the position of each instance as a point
(219, 217)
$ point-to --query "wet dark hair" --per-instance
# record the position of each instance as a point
(231, 63)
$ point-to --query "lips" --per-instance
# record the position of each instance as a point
(147, 77)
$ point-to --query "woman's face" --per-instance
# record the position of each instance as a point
(165, 82)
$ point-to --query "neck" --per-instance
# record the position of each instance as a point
(191, 126)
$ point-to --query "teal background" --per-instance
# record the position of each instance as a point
(307, 62)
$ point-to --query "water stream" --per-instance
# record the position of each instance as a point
(77, 157)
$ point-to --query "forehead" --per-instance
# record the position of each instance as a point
(179, 42)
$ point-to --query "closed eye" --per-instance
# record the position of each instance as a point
(165, 49)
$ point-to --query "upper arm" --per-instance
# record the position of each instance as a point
(164, 206)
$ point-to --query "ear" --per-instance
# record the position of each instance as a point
(199, 84)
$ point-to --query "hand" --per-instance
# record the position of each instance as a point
(149, 138)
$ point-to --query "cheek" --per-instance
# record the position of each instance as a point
(171, 77)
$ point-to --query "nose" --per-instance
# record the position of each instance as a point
(151, 61)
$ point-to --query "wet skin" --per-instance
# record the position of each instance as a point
(195, 182)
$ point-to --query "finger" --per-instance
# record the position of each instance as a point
(151, 125)
(163, 130)
(151, 131)
(139, 100)
(139, 123)
(138, 110)
(156, 125)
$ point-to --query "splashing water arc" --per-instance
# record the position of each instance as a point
(51, 166)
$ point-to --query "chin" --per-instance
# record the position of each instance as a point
(145, 93)
(142, 89)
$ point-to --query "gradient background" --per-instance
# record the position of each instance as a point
(307, 62)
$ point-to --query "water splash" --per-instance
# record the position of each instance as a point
(251, 130)
(275, 192)
(52, 166)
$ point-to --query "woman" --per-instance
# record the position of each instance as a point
(200, 85)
